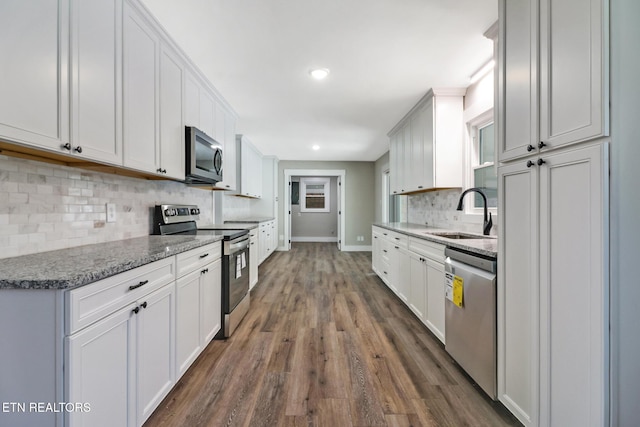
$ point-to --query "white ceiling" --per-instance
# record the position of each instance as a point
(383, 55)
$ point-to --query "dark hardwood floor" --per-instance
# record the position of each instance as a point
(326, 343)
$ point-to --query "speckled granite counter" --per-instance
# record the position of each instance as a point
(485, 246)
(250, 219)
(79, 266)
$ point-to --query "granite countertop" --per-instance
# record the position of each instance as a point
(488, 245)
(230, 226)
(250, 219)
(81, 265)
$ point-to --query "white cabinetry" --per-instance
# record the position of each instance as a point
(553, 292)
(413, 269)
(266, 239)
(426, 145)
(198, 302)
(229, 174)
(172, 134)
(557, 49)
(96, 85)
(120, 345)
(249, 168)
(254, 242)
(34, 101)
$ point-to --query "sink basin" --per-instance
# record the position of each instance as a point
(457, 235)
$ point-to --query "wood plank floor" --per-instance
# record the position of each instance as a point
(326, 344)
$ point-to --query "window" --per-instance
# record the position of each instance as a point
(315, 194)
(482, 173)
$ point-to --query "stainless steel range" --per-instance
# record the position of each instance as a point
(181, 220)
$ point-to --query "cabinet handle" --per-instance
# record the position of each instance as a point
(397, 238)
(143, 305)
(78, 149)
(385, 272)
(530, 163)
(384, 250)
(541, 162)
(66, 146)
(530, 148)
(132, 287)
(397, 247)
(541, 144)
(164, 171)
(204, 256)
(205, 271)
(228, 186)
(159, 170)
(419, 186)
(136, 310)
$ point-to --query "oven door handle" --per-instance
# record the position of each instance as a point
(238, 246)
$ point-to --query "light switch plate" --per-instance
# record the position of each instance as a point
(111, 212)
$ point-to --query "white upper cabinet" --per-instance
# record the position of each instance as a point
(229, 162)
(172, 133)
(207, 113)
(34, 91)
(557, 49)
(140, 79)
(426, 145)
(96, 86)
(249, 168)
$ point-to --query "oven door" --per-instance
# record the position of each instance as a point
(236, 278)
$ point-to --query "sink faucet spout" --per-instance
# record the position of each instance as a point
(488, 222)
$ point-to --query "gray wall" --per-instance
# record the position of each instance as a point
(316, 224)
(625, 211)
(359, 193)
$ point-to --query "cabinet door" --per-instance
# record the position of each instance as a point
(207, 112)
(155, 337)
(96, 41)
(211, 299)
(396, 159)
(229, 181)
(140, 88)
(428, 154)
(407, 163)
(435, 298)
(418, 290)
(517, 79)
(191, 101)
(99, 360)
(573, 288)
(573, 101)
(34, 91)
(172, 146)
(188, 314)
(400, 267)
(253, 261)
(518, 301)
(417, 150)
(376, 250)
(220, 123)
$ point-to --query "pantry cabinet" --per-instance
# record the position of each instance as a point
(553, 295)
(552, 77)
(426, 145)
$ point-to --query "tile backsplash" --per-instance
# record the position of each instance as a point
(235, 207)
(45, 207)
(438, 209)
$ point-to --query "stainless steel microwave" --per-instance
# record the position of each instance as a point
(203, 156)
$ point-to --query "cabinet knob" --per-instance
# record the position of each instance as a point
(164, 171)
(541, 144)
(159, 170)
(66, 146)
(530, 163)
(541, 162)
(143, 305)
(136, 310)
(78, 149)
(530, 147)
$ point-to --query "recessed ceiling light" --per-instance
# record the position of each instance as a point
(319, 73)
(316, 147)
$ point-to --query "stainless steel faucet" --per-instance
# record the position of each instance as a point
(488, 222)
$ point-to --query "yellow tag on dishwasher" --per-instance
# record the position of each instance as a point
(458, 290)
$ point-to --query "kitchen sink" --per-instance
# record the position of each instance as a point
(457, 235)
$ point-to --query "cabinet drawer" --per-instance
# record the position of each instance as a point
(93, 302)
(197, 258)
(432, 250)
(398, 239)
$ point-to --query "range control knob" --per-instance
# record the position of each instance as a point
(195, 211)
(170, 212)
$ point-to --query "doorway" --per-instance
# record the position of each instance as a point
(317, 192)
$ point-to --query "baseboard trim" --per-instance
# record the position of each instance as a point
(312, 239)
(362, 248)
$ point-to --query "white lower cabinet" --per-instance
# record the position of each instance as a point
(553, 293)
(122, 365)
(198, 302)
(267, 239)
(413, 269)
(253, 257)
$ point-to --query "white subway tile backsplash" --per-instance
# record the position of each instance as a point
(47, 207)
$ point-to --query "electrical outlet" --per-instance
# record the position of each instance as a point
(111, 212)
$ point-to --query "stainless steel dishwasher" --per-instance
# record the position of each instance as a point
(470, 315)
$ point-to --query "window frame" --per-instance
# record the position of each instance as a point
(304, 181)
(472, 160)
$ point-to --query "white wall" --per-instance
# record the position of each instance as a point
(625, 211)
(45, 206)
